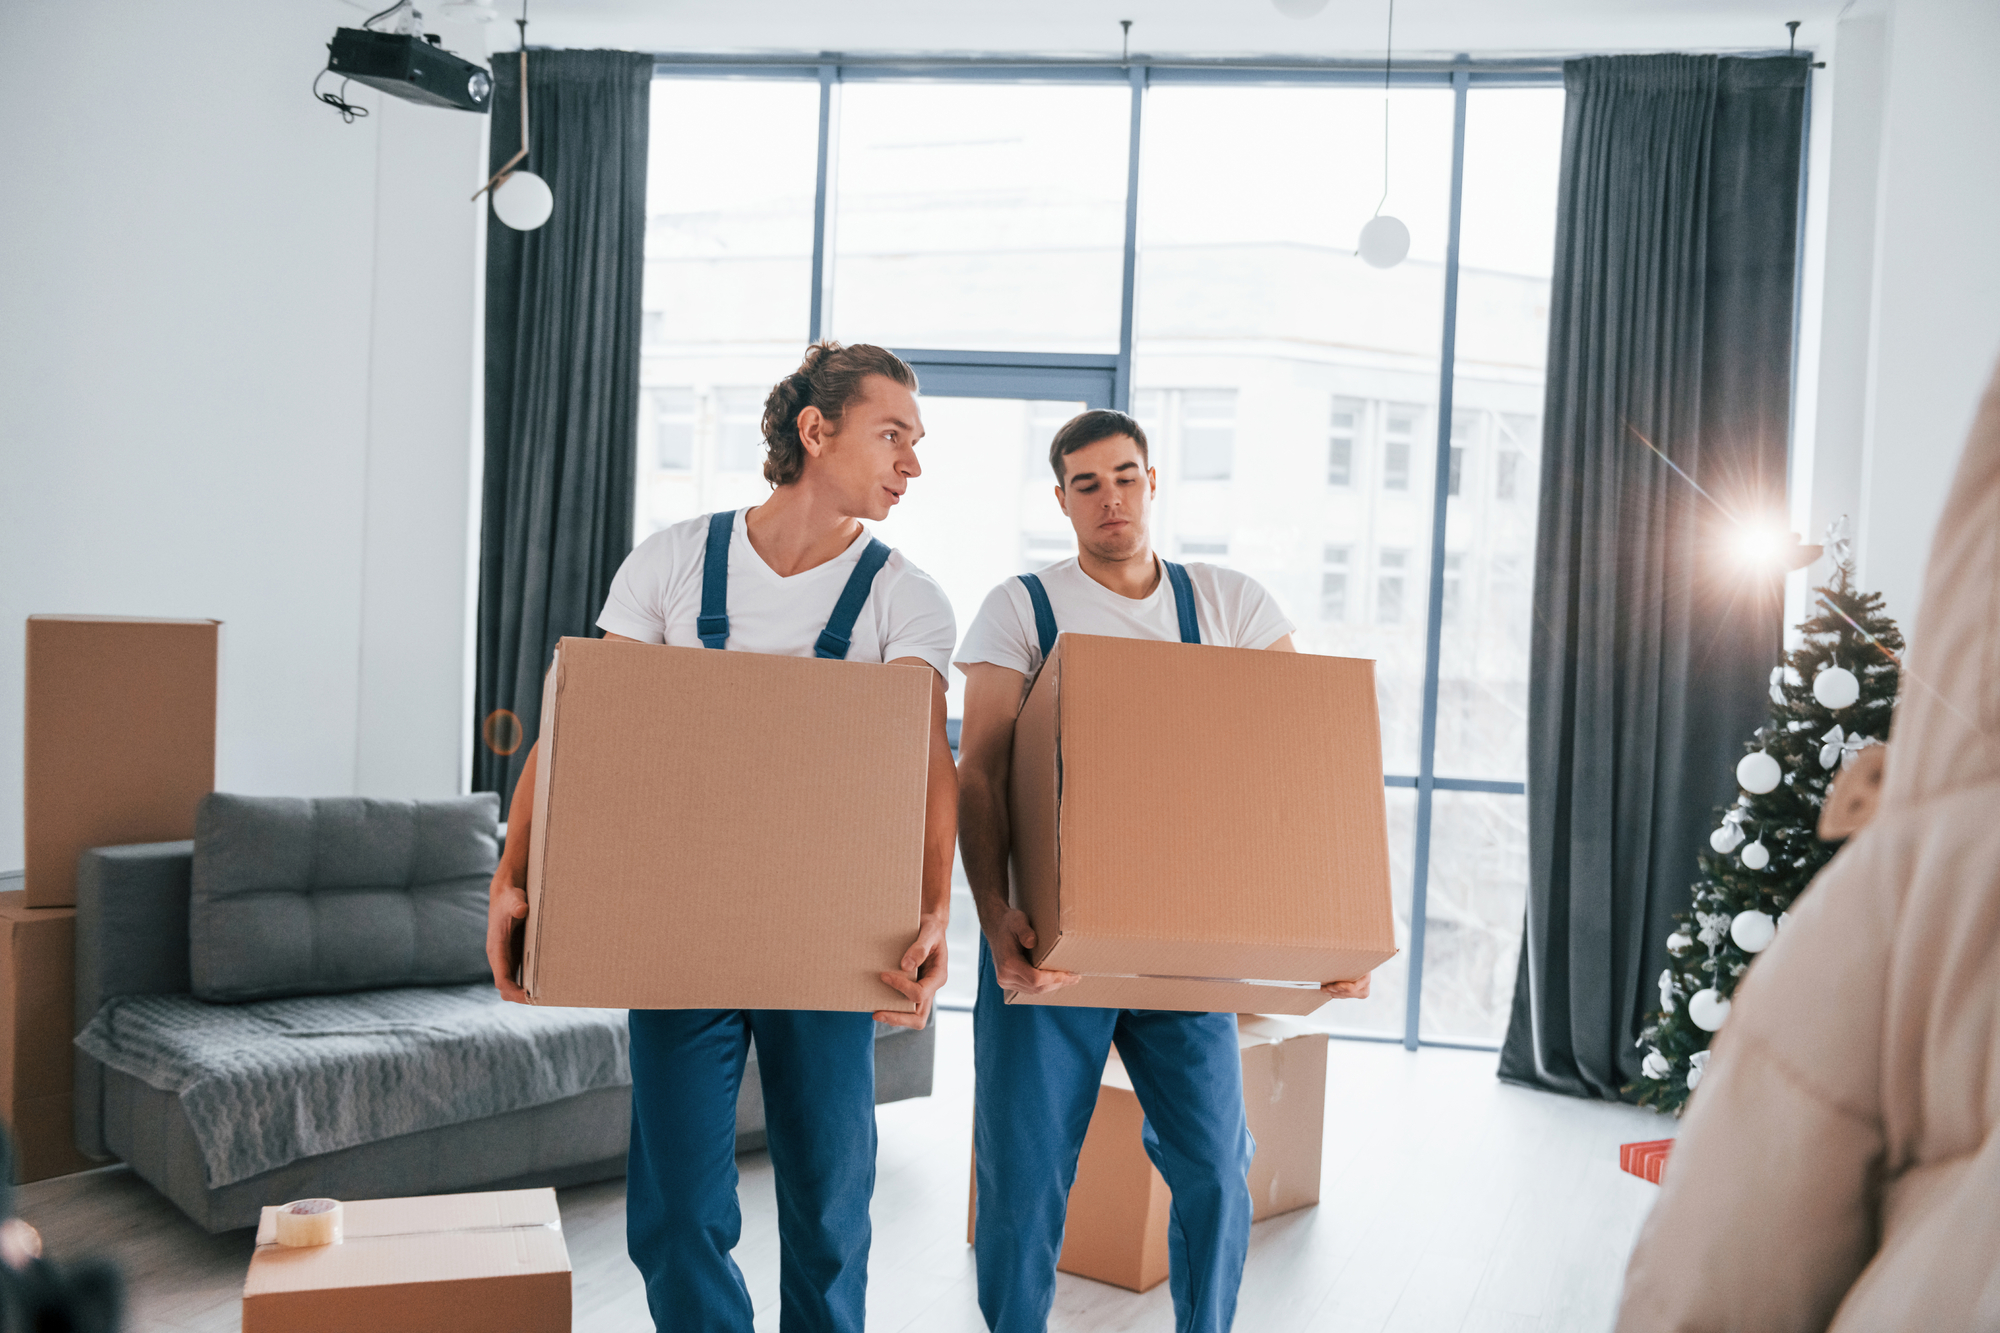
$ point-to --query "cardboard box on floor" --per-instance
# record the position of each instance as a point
(1116, 1230)
(120, 738)
(476, 1263)
(37, 995)
(725, 830)
(1200, 828)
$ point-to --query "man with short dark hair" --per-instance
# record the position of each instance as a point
(1038, 1067)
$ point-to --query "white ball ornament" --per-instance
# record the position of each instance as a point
(1753, 931)
(1726, 839)
(1384, 241)
(1758, 773)
(1836, 688)
(1655, 1065)
(523, 201)
(1756, 856)
(1679, 942)
(1708, 1009)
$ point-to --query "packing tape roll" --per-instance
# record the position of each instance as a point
(309, 1222)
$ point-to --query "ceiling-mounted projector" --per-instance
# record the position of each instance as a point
(405, 65)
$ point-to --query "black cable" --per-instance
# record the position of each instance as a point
(369, 22)
(349, 112)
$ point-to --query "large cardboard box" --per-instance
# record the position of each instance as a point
(120, 742)
(1116, 1230)
(37, 997)
(476, 1263)
(719, 830)
(1200, 828)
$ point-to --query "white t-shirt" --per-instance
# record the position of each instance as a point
(1232, 609)
(656, 598)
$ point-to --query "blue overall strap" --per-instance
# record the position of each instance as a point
(1183, 601)
(839, 631)
(713, 622)
(1045, 615)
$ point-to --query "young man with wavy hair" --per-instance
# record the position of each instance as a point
(841, 434)
(1038, 1067)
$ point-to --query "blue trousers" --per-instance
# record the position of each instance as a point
(681, 1214)
(1038, 1068)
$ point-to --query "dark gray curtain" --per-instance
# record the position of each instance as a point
(1670, 319)
(562, 381)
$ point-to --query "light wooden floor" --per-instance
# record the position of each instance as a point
(1450, 1202)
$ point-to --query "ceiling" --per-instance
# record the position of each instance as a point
(1165, 27)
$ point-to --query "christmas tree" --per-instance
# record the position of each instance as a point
(1831, 697)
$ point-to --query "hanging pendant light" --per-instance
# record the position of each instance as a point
(521, 199)
(1384, 239)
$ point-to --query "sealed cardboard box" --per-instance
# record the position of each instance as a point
(476, 1263)
(1200, 828)
(120, 741)
(37, 996)
(718, 830)
(1116, 1229)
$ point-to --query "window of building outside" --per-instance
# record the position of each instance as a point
(673, 429)
(1341, 434)
(1391, 567)
(1333, 585)
(986, 215)
(1208, 434)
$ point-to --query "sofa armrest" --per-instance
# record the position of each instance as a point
(131, 939)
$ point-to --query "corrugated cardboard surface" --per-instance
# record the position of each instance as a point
(1284, 1099)
(1116, 1230)
(725, 830)
(1199, 814)
(120, 741)
(495, 1263)
(37, 998)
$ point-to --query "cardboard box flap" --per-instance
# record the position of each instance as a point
(1211, 802)
(1180, 993)
(396, 1242)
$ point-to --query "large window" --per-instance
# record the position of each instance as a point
(1312, 418)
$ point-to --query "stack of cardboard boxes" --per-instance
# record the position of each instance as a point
(120, 748)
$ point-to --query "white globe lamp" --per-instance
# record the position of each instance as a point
(1384, 241)
(523, 201)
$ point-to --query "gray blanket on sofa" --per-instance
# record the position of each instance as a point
(271, 1082)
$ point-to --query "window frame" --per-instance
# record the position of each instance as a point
(1106, 380)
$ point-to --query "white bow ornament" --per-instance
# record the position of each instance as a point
(1840, 747)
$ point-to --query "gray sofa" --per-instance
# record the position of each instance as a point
(133, 940)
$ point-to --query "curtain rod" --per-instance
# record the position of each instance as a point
(1508, 65)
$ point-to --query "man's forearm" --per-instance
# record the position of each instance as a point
(940, 832)
(983, 839)
(520, 824)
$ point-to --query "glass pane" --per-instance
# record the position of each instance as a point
(984, 508)
(981, 215)
(1513, 143)
(1477, 891)
(728, 290)
(1384, 1011)
(1289, 389)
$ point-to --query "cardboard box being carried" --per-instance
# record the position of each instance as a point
(718, 830)
(120, 739)
(476, 1263)
(1116, 1229)
(37, 997)
(1200, 828)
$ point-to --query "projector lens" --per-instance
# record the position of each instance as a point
(478, 85)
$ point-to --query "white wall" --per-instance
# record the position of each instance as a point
(236, 363)
(1913, 268)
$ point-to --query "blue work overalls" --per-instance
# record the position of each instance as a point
(1038, 1068)
(818, 1074)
